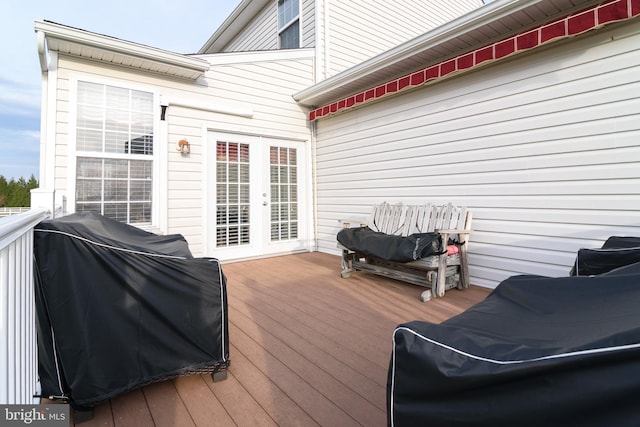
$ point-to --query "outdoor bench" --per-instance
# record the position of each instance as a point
(424, 245)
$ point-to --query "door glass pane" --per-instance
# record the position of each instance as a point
(232, 194)
(284, 203)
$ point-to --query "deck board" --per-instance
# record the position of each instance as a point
(282, 408)
(307, 348)
(166, 406)
(130, 410)
(201, 403)
(239, 403)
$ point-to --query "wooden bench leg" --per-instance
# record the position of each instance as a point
(347, 264)
(464, 267)
(442, 276)
(442, 267)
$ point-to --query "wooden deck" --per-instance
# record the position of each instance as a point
(306, 348)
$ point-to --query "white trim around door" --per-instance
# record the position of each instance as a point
(257, 201)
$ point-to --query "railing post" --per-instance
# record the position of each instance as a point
(44, 198)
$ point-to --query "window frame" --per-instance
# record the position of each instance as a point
(283, 27)
(74, 152)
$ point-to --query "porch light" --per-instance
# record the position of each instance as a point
(184, 147)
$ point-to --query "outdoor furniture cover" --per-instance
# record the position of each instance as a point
(118, 308)
(537, 351)
(388, 246)
(616, 252)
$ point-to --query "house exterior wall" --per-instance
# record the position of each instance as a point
(262, 32)
(309, 22)
(543, 149)
(360, 29)
(347, 33)
(217, 101)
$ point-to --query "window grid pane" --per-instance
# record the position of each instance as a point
(290, 37)
(114, 120)
(232, 194)
(287, 11)
(119, 121)
(116, 188)
(284, 203)
(289, 23)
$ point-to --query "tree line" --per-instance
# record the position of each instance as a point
(16, 193)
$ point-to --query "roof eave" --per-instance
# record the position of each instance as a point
(491, 12)
(62, 38)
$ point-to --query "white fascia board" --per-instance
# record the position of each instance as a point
(61, 32)
(257, 56)
(42, 50)
(475, 19)
(212, 107)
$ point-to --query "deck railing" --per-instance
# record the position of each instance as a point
(18, 347)
(12, 211)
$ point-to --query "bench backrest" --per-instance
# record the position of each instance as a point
(403, 220)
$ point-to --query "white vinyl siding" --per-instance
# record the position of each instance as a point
(348, 33)
(262, 32)
(308, 16)
(263, 86)
(544, 149)
(361, 29)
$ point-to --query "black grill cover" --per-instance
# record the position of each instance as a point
(537, 352)
(118, 308)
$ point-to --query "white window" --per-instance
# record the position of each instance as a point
(114, 152)
(289, 24)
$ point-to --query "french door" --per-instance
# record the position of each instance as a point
(256, 201)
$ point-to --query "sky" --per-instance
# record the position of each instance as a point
(177, 26)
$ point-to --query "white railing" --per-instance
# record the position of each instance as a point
(12, 211)
(18, 346)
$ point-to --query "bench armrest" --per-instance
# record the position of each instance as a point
(445, 231)
(346, 223)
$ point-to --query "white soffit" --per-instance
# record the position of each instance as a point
(487, 24)
(110, 50)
